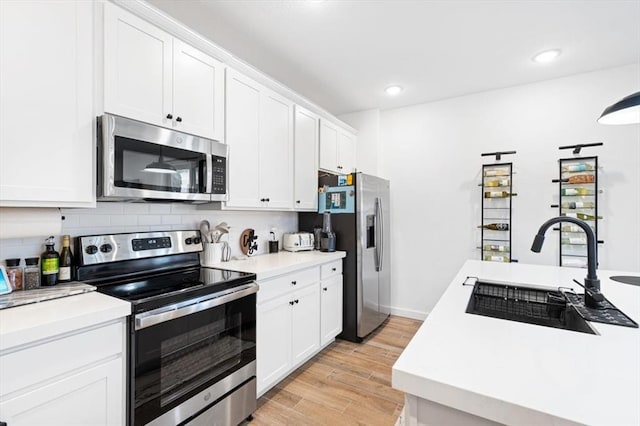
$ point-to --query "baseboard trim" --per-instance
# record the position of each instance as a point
(409, 313)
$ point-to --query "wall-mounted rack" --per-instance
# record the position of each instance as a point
(578, 197)
(495, 226)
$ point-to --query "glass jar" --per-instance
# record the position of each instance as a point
(14, 273)
(32, 273)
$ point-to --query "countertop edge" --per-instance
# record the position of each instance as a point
(264, 269)
(76, 313)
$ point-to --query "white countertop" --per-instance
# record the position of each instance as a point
(517, 373)
(270, 265)
(25, 324)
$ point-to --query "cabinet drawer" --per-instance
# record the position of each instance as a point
(283, 284)
(329, 269)
(35, 364)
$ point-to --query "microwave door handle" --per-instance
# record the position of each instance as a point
(209, 173)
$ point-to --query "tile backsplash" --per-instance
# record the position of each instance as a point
(114, 217)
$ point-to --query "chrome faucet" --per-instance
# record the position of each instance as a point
(592, 296)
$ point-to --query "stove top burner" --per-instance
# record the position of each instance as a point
(148, 292)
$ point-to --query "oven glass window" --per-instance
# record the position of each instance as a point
(179, 358)
(150, 166)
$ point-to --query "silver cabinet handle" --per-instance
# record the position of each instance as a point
(178, 310)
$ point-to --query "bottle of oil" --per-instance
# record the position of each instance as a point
(50, 263)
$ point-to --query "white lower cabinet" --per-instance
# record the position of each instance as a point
(75, 379)
(330, 309)
(294, 321)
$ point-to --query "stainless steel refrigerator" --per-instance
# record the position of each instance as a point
(359, 206)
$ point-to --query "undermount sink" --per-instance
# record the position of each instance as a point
(531, 305)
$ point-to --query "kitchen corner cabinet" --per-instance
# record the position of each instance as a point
(305, 164)
(156, 78)
(288, 324)
(337, 149)
(330, 301)
(46, 104)
(260, 138)
(74, 379)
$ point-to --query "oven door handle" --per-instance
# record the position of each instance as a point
(168, 313)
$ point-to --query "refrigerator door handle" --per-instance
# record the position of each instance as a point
(380, 245)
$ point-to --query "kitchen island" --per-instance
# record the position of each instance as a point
(467, 369)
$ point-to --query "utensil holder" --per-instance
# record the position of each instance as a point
(212, 254)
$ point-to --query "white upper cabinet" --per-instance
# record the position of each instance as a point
(305, 164)
(46, 104)
(153, 77)
(198, 92)
(276, 150)
(260, 138)
(337, 149)
(243, 138)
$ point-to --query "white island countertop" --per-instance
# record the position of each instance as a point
(267, 266)
(29, 323)
(523, 374)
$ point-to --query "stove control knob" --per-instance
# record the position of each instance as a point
(91, 249)
(196, 240)
(188, 241)
(106, 248)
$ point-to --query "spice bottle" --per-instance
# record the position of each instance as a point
(50, 263)
(14, 273)
(31, 273)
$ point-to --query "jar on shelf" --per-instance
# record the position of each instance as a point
(31, 273)
(14, 273)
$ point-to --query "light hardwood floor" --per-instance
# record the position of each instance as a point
(345, 384)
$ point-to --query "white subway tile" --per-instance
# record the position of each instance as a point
(136, 208)
(182, 208)
(93, 220)
(111, 207)
(171, 219)
(124, 220)
(160, 208)
(149, 220)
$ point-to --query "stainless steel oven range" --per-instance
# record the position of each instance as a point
(192, 333)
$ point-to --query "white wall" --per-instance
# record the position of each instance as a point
(141, 217)
(368, 147)
(431, 153)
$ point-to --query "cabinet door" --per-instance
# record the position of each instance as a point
(46, 103)
(276, 151)
(328, 146)
(91, 397)
(330, 309)
(305, 336)
(346, 151)
(273, 341)
(243, 138)
(305, 162)
(198, 92)
(137, 68)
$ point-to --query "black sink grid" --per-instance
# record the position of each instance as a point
(548, 308)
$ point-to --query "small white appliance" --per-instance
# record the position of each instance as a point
(298, 241)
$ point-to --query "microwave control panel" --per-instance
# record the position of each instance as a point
(219, 172)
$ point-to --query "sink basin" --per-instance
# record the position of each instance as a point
(531, 305)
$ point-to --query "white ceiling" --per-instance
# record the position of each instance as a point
(342, 54)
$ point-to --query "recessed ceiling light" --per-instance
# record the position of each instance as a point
(393, 90)
(546, 56)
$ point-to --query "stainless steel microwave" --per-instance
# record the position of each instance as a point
(138, 161)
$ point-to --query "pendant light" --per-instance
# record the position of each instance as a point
(625, 111)
(159, 167)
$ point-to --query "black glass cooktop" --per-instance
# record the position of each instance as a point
(161, 289)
